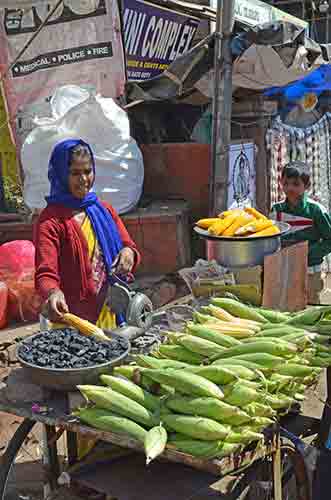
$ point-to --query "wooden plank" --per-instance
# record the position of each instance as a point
(55, 416)
(285, 279)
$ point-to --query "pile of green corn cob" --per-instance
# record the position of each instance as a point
(218, 384)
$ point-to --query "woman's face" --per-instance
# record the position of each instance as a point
(80, 177)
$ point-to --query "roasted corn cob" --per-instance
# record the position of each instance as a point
(240, 221)
(269, 231)
(206, 223)
(221, 225)
(84, 327)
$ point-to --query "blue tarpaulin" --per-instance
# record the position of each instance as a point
(317, 82)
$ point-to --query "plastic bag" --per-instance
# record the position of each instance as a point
(202, 130)
(77, 112)
(3, 304)
(206, 276)
(17, 270)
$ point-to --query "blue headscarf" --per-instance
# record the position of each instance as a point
(103, 224)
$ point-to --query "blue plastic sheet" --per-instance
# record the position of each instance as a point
(317, 82)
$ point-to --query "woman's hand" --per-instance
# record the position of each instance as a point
(56, 305)
(125, 261)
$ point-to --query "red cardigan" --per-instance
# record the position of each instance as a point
(62, 260)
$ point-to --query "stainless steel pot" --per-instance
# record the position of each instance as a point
(242, 252)
(67, 379)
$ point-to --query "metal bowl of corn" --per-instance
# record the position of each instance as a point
(239, 252)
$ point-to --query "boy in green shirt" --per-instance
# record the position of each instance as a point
(309, 221)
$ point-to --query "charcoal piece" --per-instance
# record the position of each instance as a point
(75, 346)
(81, 352)
(63, 349)
(56, 348)
(100, 358)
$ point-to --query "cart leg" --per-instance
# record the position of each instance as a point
(72, 447)
(325, 425)
(50, 459)
(277, 469)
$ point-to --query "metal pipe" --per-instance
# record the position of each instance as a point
(327, 28)
(222, 108)
(215, 110)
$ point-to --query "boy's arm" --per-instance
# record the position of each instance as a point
(273, 216)
(273, 213)
(318, 250)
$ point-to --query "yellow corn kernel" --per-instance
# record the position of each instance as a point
(221, 225)
(254, 227)
(255, 213)
(206, 223)
(269, 231)
(84, 327)
(240, 221)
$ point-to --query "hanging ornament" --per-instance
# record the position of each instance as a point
(309, 102)
(241, 177)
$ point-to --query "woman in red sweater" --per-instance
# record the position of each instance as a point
(79, 240)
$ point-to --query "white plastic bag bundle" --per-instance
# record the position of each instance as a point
(78, 113)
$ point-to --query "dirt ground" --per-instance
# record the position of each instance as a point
(8, 423)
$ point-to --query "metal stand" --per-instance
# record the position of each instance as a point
(325, 426)
(222, 108)
(277, 469)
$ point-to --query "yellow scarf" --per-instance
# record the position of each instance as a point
(106, 320)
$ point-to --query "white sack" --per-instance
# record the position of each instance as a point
(101, 123)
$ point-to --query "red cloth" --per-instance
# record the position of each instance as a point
(62, 259)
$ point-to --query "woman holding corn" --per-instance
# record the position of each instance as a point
(78, 240)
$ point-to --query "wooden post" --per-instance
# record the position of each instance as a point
(50, 459)
(325, 425)
(72, 447)
(277, 469)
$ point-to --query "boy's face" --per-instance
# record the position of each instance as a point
(294, 188)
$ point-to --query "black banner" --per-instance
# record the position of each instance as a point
(62, 57)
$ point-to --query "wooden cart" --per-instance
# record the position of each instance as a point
(279, 459)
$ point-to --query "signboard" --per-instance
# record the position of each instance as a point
(154, 36)
(249, 12)
(254, 12)
(76, 47)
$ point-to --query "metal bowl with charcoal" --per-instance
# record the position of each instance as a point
(63, 359)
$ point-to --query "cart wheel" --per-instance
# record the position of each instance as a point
(22, 471)
(9, 456)
(256, 482)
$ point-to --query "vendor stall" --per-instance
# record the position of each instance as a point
(249, 468)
